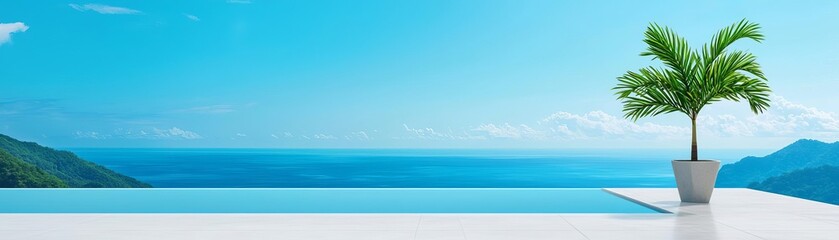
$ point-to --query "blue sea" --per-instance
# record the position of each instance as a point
(398, 168)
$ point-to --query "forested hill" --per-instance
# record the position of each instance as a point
(804, 153)
(806, 169)
(820, 184)
(69, 168)
(15, 173)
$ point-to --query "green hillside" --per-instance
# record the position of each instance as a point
(68, 167)
(15, 173)
(799, 155)
(820, 184)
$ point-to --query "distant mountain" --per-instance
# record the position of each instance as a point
(799, 155)
(15, 173)
(72, 170)
(819, 184)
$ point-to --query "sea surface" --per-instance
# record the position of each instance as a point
(398, 168)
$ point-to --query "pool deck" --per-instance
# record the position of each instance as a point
(732, 214)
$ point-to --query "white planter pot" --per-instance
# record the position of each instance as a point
(696, 179)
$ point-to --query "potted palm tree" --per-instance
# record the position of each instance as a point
(688, 81)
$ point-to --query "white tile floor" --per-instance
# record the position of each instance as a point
(733, 214)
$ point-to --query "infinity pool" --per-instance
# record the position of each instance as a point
(316, 200)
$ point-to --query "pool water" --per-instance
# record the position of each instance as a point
(317, 200)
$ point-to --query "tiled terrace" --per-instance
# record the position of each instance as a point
(733, 214)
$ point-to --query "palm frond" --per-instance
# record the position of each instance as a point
(754, 90)
(651, 92)
(729, 35)
(690, 80)
(673, 50)
(664, 44)
(729, 63)
(635, 108)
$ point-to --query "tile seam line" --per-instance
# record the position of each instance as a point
(575, 227)
(816, 219)
(741, 230)
(462, 229)
(416, 230)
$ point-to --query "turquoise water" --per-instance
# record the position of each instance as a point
(344, 200)
(398, 168)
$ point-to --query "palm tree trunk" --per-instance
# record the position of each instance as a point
(694, 153)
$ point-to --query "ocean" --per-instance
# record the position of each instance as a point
(398, 168)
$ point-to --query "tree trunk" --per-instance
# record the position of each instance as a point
(694, 153)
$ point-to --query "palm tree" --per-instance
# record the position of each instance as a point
(690, 79)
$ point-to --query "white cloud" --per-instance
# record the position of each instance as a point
(324, 136)
(506, 130)
(430, 133)
(286, 135)
(784, 118)
(241, 135)
(192, 17)
(426, 133)
(600, 124)
(91, 135)
(175, 133)
(360, 135)
(823, 120)
(145, 133)
(6, 30)
(239, 1)
(103, 9)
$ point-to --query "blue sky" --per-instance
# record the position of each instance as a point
(370, 74)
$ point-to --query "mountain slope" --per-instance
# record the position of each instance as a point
(15, 173)
(819, 184)
(68, 167)
(801, 154)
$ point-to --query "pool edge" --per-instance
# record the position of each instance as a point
(636, 201)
